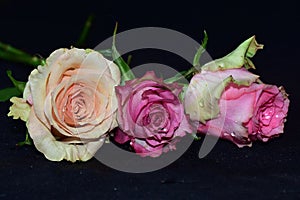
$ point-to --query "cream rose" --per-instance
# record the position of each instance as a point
(72, 104)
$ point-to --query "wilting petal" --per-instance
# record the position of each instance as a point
(19, 109)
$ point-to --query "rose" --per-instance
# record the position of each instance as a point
(246, 112)
(270, 111)
(150, 115)
(232, 103)
(72, 104)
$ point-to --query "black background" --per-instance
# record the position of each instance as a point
(265, 171)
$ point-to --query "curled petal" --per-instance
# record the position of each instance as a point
(55, 150)
(19, 109)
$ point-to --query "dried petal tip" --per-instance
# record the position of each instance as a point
(238, 58)
(19, 109)
(283, 92)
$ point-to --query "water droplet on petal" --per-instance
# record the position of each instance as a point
(201, 103)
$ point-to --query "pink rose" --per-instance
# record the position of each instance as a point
(246, 110)
(231, 103)
(72, 104)
(150, 115)
(270, 111)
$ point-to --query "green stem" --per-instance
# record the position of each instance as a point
(129, 60)
(125, 70)
(27, 141)
(196, 63)
(85, 31)
(12, 50)
(182, 75)
(200, 51)
(28, 60)
(190, 72)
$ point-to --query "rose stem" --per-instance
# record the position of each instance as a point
(196, 62)
(12, 50)
(10, 53)
(28, 60)
(85, 31)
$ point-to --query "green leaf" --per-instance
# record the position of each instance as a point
(123, 66)
(27, 141)
(20, 85)
(200, 51)
(238, 58)
(7, 93)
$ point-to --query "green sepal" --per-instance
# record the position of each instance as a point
(27, 141)
(238, 58)
(20, 85)
(106, 52)
(200, 51)
(206, 88)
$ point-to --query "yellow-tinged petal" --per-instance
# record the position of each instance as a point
(19, 109)
(55, 150)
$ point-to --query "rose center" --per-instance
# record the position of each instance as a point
(77, 107)
(157, 118)
(266, 115)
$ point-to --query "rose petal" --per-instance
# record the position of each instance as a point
(55, 150)
(121, 137)
(19, 109)
(205, 89)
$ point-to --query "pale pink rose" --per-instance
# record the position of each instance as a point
(150, 115)
(247, 110)
(73, 104)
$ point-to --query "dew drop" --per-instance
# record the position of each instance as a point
(201, 103)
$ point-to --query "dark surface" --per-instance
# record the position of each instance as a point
(265, 171)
